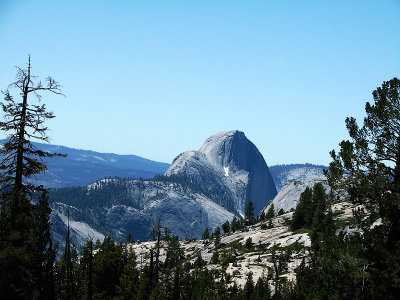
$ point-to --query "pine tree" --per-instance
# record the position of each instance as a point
(280, 264)
(249, 213)
(129, 280)
(68, 264)
(25, 121)
(43, 252)
(86, 271)
(319, 200)
(206, 234)
(156, 234)
(235, 225)
(217, 236)
(249, 286)
(108, 265)
(21, 160)
(367, 167)
(271, 212)
(225, 227)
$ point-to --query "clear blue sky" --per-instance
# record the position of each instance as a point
(156, 78)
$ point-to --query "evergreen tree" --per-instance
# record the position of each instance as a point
(226, 227)
(206, 234)
(217, 236)
(249, 213)
(235, 225)
(108, 264)
(301, 215)
(249, 243)
(319, 202)
(23, 121)
(271, 212)
(310, 210)
(43, 253)
(68, 264)
(156, 234)
(129, 238)
(86, 271)
(261, 289)
(280, 263)
(367, 167)
(249, 287)
(129, 280)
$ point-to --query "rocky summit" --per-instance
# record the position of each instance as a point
(230, 164)
(200, 189)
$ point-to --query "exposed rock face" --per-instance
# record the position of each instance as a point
(135, 207)
(229, 164)
(288, 173)
(289, 195)
(80, 230)
(224, 175)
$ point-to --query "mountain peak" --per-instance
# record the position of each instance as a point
(231, 165)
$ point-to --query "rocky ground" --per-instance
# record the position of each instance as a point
(239, 258)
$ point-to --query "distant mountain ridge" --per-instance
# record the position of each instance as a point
(82, 167)
(285, 173)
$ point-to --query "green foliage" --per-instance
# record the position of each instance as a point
(217, 237)
(26, 252)
(262, 290)
(271, 211)
(249, 243)
(311, 208)
(249, 213)
(108, 266)
(226, 259)
(370, 162)
(215, 257)
(280, 263)
(42, 250)
(270, 225)
(236, 224)
(281, 212)
(367, 168)
(249, 286)
(226, 227)
(206, 234)
(199, 262)
(129, 238)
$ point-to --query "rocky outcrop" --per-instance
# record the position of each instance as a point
(289, 195)
(230, 165)
(134, 206)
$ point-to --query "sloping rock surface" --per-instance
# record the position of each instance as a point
(231, 165)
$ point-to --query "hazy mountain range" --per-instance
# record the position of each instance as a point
(82, 167)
